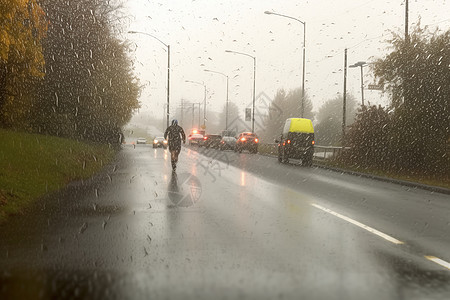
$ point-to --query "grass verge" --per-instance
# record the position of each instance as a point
(438, 181)
(32, 165)
(433, 180)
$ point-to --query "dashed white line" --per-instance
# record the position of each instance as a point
(439, 261)
(368, 228)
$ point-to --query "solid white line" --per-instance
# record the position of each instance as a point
(439, 261)
(368, 228)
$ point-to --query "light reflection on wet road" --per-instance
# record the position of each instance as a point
(216, 230)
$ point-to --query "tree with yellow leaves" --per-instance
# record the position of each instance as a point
(22, 27)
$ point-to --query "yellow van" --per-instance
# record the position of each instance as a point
(296, 141)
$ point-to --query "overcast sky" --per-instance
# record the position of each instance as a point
(199, 32)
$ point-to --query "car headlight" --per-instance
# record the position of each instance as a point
(165, 142)
(155, 141)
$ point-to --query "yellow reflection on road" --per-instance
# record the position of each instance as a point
(194, 170)
(242, 178)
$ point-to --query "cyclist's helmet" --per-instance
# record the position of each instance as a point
(174, 122)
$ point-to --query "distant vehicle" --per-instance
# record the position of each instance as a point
(197, 131)
(141, 141)
(231, 133)
(247, 141)
(195, 139)
(211, 140)
(227, 143)
(296, 141)
(159, 142)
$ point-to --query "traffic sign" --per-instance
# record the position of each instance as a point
(248, 114)
(375, 87)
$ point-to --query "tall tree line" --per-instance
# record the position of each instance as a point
(284, 105)
(413, 134)
(328, 131)
(88, 91)
(23, 25)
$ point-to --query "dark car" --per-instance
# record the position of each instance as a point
(297, 141)
(227, 143)
(159, 142)
(247, 141)
(211, 140)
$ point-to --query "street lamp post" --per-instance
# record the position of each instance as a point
(204, 100)
(361, 64)
(304, 50)
(226, 106)
(254, 83)
(199, 114)
(168, 70)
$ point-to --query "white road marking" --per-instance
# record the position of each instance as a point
(368, 228)
(439, 261)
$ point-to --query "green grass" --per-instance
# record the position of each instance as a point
(434, 180)
(267, 149)
(32, 165)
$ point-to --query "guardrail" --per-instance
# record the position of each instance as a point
(327, 152)
(320, 152)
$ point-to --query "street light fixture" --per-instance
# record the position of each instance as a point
(204, 100)
(168, 69)
(360, 64)
(226, 109)
(254, 84)
(304, 49)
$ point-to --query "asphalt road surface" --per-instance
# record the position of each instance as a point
(227, 226)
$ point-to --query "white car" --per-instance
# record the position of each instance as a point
(141, 141)
(195, 139)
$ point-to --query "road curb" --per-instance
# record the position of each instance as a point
(412, 184)
(435, 189)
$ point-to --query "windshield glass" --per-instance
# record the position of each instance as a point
(307, 152)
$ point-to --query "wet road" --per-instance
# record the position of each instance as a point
(228, 226)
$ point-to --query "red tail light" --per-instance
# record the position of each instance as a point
(243, 139)
(288, 141)
(205, 138)
(256, 140)
(313, 142)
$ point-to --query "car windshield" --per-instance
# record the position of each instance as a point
(308, 150)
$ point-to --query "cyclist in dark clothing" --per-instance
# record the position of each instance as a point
(174, 134)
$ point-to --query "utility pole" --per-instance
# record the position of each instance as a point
(344, 98)
(254, 83)
(304, 47)
(182, 112)
(168, 71)
(406, 21)
(362, 85)
(193, 109)
(407, 64)
(199, 103)
(168, 84)
(303, 71)
(204, 108)
(254, 91)
(360, 64)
